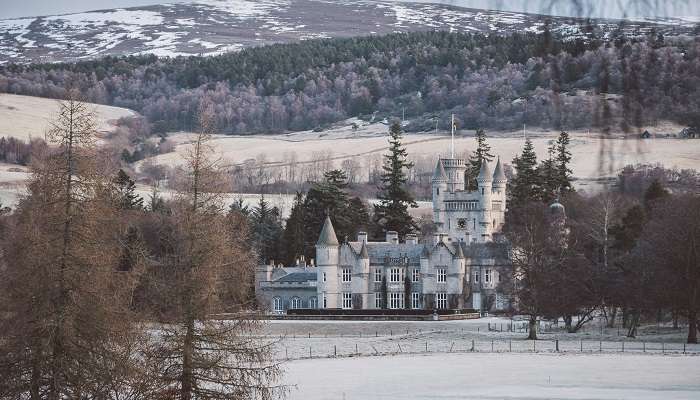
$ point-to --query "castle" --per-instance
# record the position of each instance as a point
(459, 268)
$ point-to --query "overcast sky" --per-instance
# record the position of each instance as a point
(592, 8)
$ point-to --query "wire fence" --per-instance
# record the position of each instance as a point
(315, 348)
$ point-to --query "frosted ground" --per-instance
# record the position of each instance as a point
(380, 360)
(496, 376)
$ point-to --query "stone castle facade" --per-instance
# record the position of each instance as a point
(460, 267)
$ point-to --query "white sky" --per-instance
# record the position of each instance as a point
(592, 8)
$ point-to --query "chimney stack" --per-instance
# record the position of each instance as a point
(392, 237)
(362, 237)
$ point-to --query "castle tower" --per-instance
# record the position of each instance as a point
(455, 169)
(485, 224)
(439, 184)
(498, 200)
(361, 279)
(327, 262)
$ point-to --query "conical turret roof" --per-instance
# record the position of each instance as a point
(459, 253)
(439, 174)
(425, 253)
(363, 251)
(327, 236)
(484, 172)
(498, 174)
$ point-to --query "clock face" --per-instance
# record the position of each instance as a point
(462, 223)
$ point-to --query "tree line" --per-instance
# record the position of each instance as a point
(105, 297)
(496, 82)
(633, 249)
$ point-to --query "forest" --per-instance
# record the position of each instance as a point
(492, 82)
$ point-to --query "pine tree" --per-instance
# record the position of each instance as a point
(562, 161)
(549, 177)
(391, 214)
(653, 194)
(525, 186)
(293, 236)
(125, 197)
(481, 154)
(266, 230)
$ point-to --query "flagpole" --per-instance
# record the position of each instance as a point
(452, 146)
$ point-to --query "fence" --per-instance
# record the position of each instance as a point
(305, 348)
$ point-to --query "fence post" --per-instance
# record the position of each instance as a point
(309, 351)
(341, 335)
(491, 345)
(557, 343)
(644, 347)
(534, 347)
(623, 346)
(286, 353)
(356, 352)
(683, 347)
(600, 349)
(510, 345)
(472, 345)
(335, 351)
(489, 327)
(581, 345)
(391, 332)
(663, 348)
(426, 346)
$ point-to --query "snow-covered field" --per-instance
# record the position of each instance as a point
(341, 142)
(27, 117)
(496, 376)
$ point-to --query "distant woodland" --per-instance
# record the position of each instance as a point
(492, 82)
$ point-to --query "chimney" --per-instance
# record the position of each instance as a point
(411, 239)
(362, 237)
(392, 237)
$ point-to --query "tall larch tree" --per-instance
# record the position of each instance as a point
(562, 162)
(65, 319)
(391, 214)
(524, 187)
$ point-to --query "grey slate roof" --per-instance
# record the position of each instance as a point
(298, 277)
(484, 172)
(327, 236)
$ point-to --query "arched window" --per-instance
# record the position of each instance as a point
(296, 302)
(313, 302)
(277, 305)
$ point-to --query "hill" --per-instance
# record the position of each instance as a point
(212, 27)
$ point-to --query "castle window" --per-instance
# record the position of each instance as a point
(347, 275)
(416, 275)
(476, 276)
(396, 300)
(378, 300)
(438, 191)
(325, 300)
(441, 300)
(415, 300)
(277, 305)
(487, 276)
(324, 276)
(378, 275)
(396, 275)
(347, 300)
(442, 275)
(296, 302)
(313, 302)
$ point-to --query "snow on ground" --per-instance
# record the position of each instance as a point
(496, 376)
(28, 117)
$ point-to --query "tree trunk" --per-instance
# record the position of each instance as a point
(633, 323)
(567, 322)
(613, 316)
(692, 326)
(532, 328)
(625, 318)
(675, 319)
(187, 352)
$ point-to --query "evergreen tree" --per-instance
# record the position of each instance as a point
(525, 186)
(549, 178)
(240, 207)
(481, 154)
(293, 236)
(391, 214)
(125, 197)
(327, 198)
(653, 194)
(562, 161)
(266, 230)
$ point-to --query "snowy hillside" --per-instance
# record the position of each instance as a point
(216, 26)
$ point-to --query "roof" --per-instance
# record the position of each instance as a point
(498, 174)
(439, 174)
(484, 172)
(327, 236)
(363, 251)
(298, 277)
